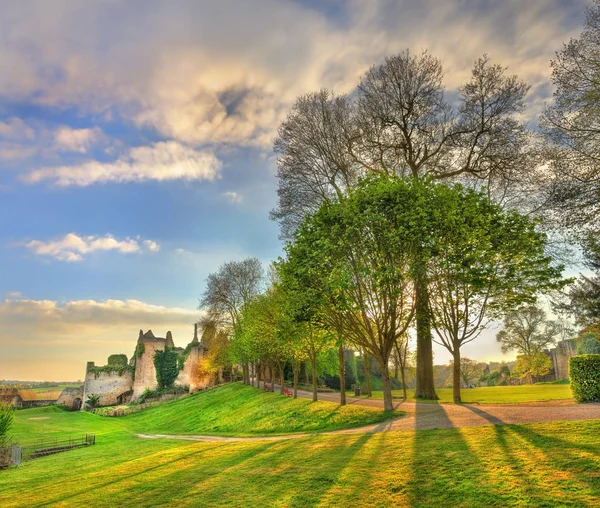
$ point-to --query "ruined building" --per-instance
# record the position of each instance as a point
(121, 381)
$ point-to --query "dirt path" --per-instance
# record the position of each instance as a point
(424, 415)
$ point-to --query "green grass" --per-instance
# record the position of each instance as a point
(539, 465)
(244, 411)
(500, 394)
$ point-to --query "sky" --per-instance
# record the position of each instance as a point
(136, 145)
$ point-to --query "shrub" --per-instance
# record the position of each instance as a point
(584, 371)
(6, 419)
(118, 360)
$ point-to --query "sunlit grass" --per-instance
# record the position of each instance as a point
(554, 464)
(499, 394)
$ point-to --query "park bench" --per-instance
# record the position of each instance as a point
(287, 392)
(267, 389)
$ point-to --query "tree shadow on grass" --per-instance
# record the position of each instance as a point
(445, 469)
(117, 476)
(298, 472)
(578, 460)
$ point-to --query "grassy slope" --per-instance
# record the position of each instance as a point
(500, 394)
(241, 410)
(530, 465)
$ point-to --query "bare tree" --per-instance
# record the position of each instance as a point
(313, 162)
(527, 331)
(572, 126)
(230, 290)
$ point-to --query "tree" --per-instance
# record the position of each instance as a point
(588, 341)
(571, 125)
(228, 292)
(354, 256)
(402, 358)
(489, 261)
(402, 125)
(534, 365)
(527, 332)
(470, 370)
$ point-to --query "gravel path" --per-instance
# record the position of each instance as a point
(425, 415)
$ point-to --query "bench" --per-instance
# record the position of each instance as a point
(287, 392)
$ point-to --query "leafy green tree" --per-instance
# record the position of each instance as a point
(354, 256)
(528, 332)
(489, 261)
(532, 365)
(588, 341)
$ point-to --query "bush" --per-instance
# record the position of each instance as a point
(584, 371)
(117, 360)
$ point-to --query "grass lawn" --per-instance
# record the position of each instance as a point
(537, 465)
(500, 394)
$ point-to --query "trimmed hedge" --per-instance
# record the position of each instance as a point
(584, 371)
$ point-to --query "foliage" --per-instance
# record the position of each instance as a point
(149, 394)
(117, 360)
(588, 341)
(167, 369)
(231, 288)
(118, 369)
(140, 349)
(527, 331)
(535, 364)
(584, 371)
(7, 413)
(93, 400)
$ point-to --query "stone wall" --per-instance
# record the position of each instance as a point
(71, 398)
(145, 372)
(560, 358)
(109, 385)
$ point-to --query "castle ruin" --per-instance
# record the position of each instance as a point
(119, 382)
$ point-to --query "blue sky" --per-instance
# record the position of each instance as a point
(136, 145)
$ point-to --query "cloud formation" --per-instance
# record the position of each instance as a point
(73, 247)
(226, 72)
(167, 160)
(67, 139)
(67, 335)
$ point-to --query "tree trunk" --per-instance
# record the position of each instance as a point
(403, 374)
(456, 375)
(252, 373)
(425, 385)
(387, 387)
(296, 368)
(313, 361)
(258, 372)
(281, 368)
(342, 377)
(367, 365)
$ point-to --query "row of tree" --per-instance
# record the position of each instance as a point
(406, 213)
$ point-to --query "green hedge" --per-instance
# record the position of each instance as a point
(584, 371)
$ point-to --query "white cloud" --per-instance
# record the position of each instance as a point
(227, 71)
(151, 246)
(234, 197)
(76, 140)
(73, 247)
(167, 160)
